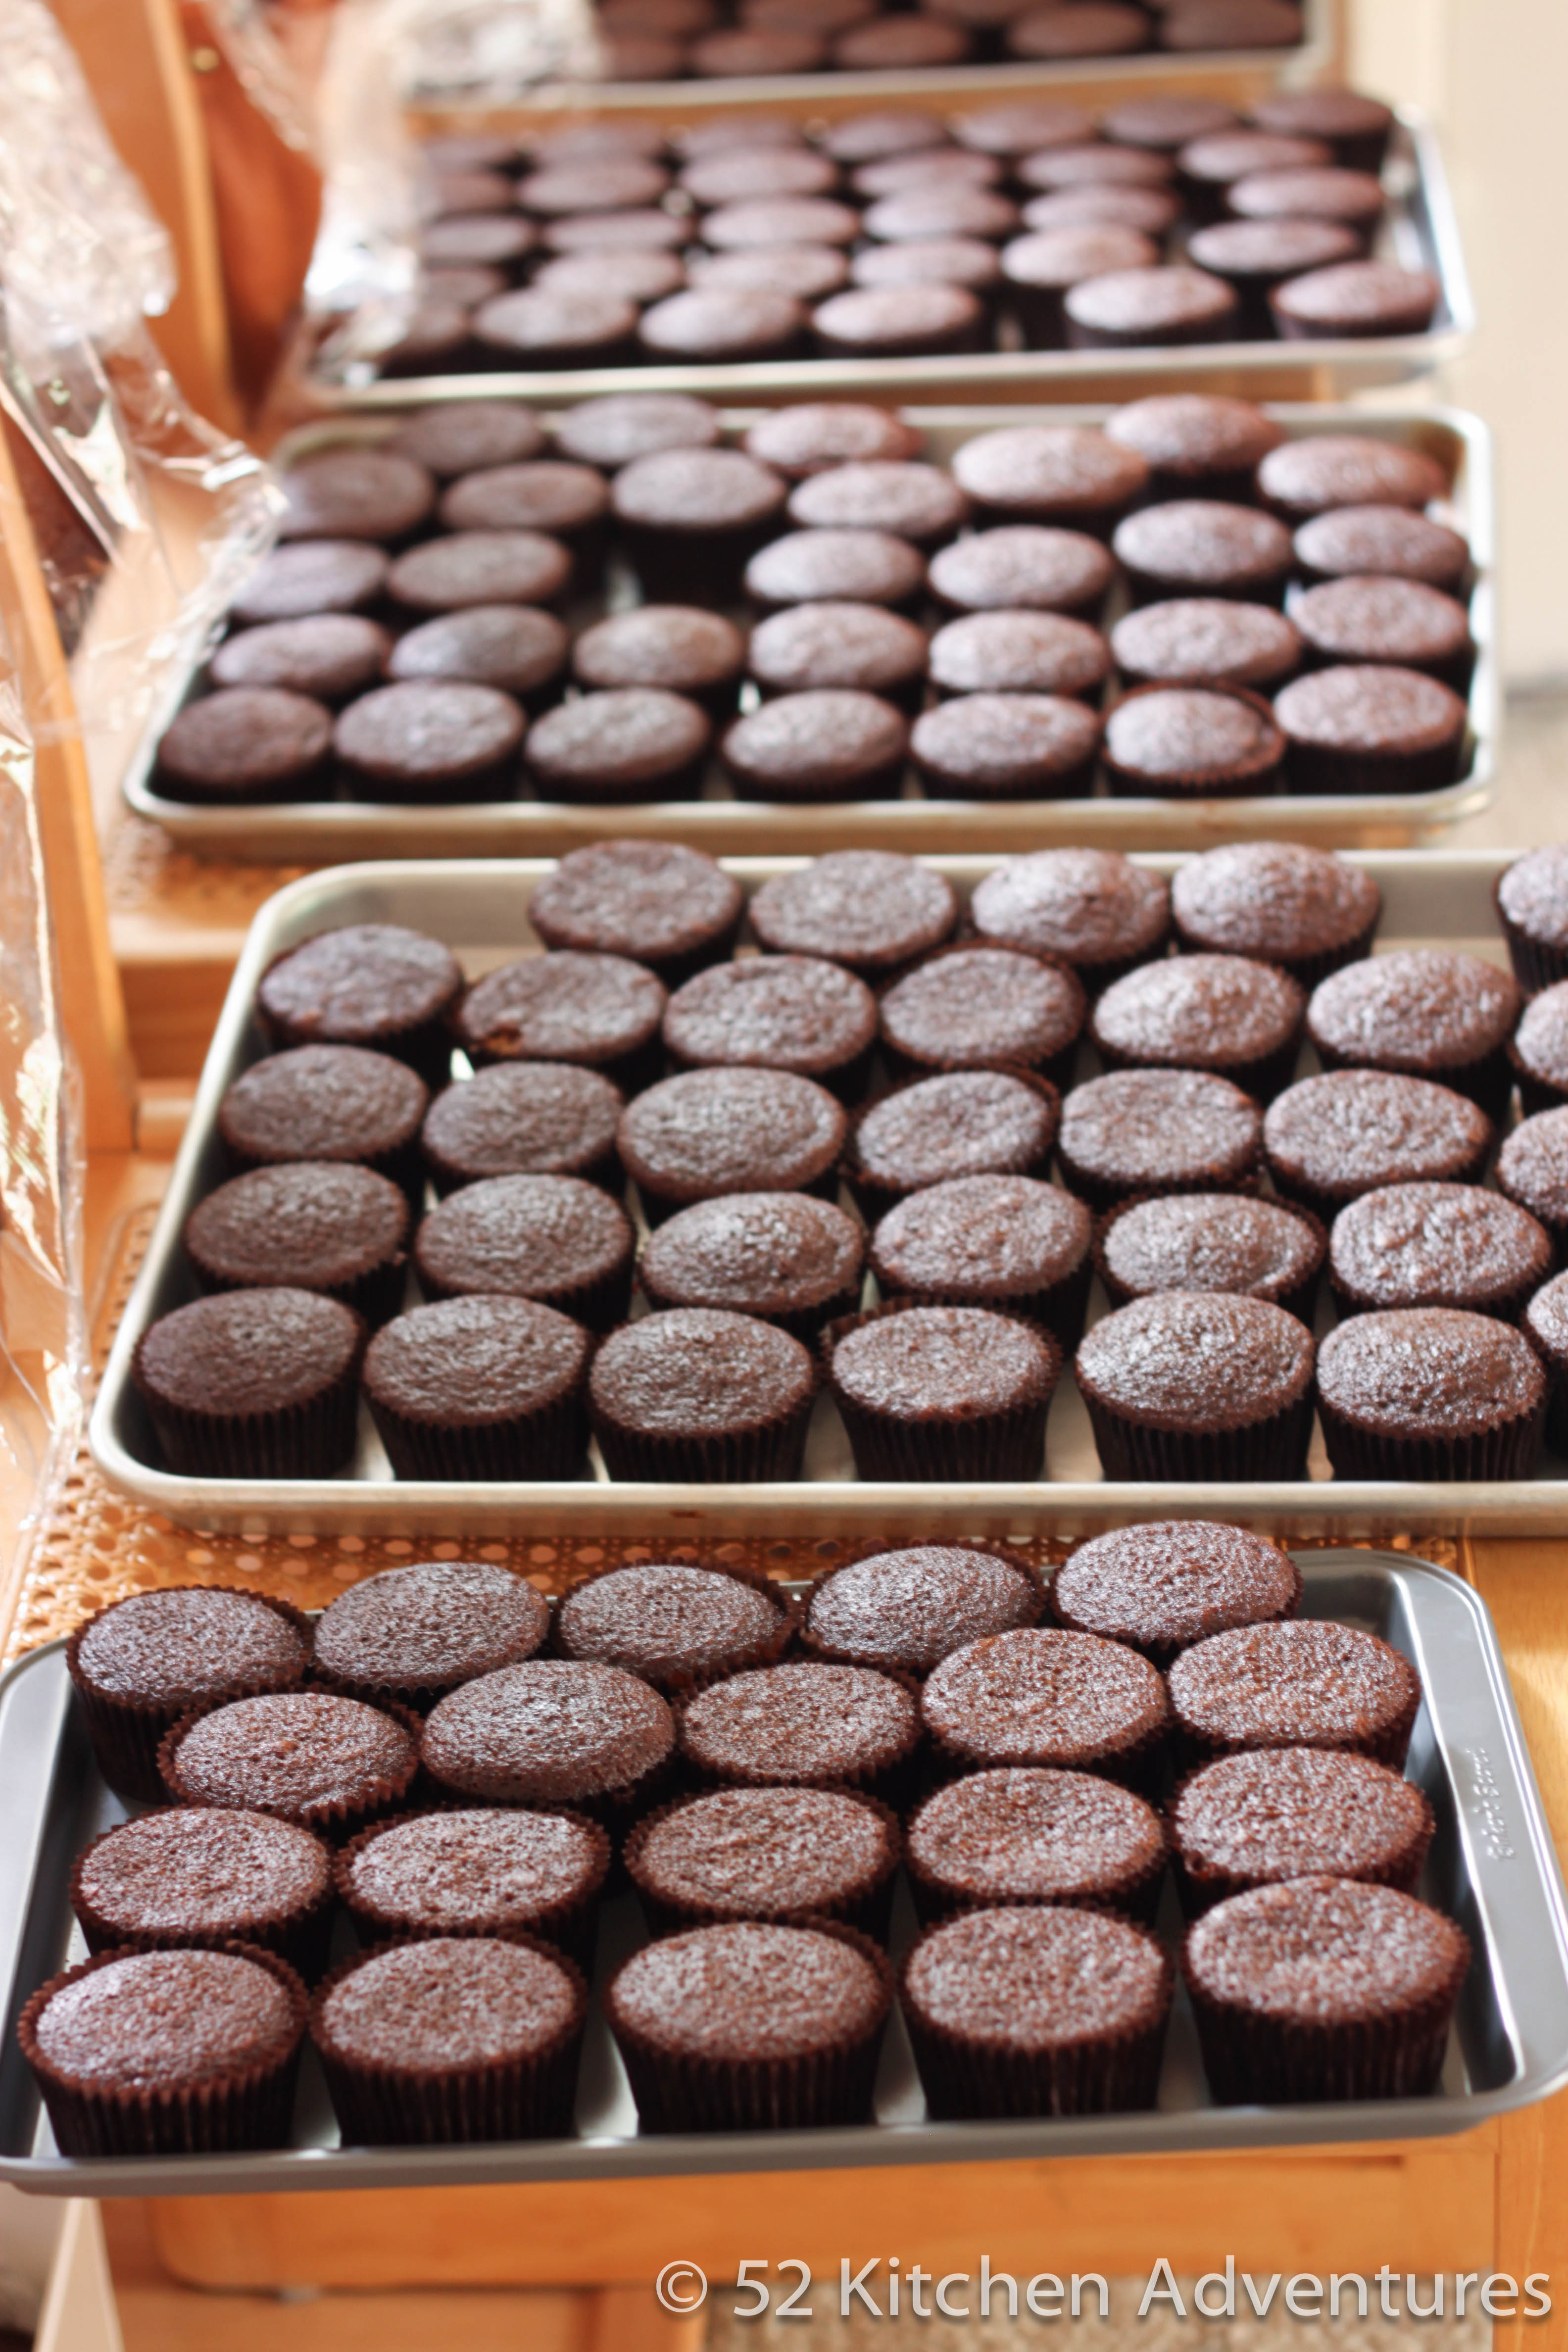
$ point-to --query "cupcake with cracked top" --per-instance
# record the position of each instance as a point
(1331, 1138)
(1438, 1246)
(1212, 1241)
(1276, 1813)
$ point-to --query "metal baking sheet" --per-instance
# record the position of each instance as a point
(1419, 229)
(321, 830)
(1492, 1867)
(480, 909)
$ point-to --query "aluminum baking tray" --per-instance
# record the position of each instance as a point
(1419, 229)
(323, 830)
(1429, 898)
(1492, 1867)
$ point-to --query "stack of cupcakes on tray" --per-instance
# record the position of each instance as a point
(692, 1203)
(628, 608)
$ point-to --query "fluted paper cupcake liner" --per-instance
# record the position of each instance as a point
(126, 1735)
(1503, 1307)
(764, 1652)
(1272, 1448)
(1508, 1450)
(676, 2092)
(775, 1450)
(334, 1818)
(376, 1296)
(1102, 2075)
(311, 1439)
(529, 2097)
(1301, 1302)
(249, 2107)
(983, 1448)
(998, 1549)
(805, 1324)
(1311, 769)
(569, 1926)
(873, 1198)
(844, 1081)
(612, 1809)
(869, 1909)
(550, 1443)
(1536, 964)
(1254, 2060)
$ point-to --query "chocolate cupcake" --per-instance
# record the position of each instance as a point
(355, 493)
(1212, 1241)
(1356, 127)
(1037, 2011)
(523, 1119)
(554, 1239)
(1390, 620)
(1006, 1241)
(1303, 909)
(553, 1732)
(1272, 1814)
(430, 740)
(750, 2026)
(1164, 1585)
(141, 1663)
(1322, 470)
(601, 1011)
(708, 326)
(965, 261)
(544, 328)
(414, 1634)
(308, 1225)
(1169, 304)
(679, 648)
(829, 744)
(1103, 204)
(375, 985)
(1023, 567)
(479, 1389)
(1191, 742)
(790, 1855)
(891, 322)
(943, 1393)
(1043, 267)
(869, 910)
(812, 435)
(1204, 547)
(329, 657)
(1094, 163)
(1307, 1683)
(307, 577)
(631, 743)
(1546, 1327)
(167, 2052)
(1224, 1013)
(904, 1611)
(252, 1384)
(1090, 908)
(1430, 1392)
(779, 1012)
(1429, 1012)
(1355, 298)
(1323, 1988)
(857, 567)
(807, 1724)
(609, 433)
(1040, 1697)
(915, 501)
(207, 1877)
(1438, 1246)
(1137, 1132)
(699, 1396)
(1532, 901)
(711, 1132)
(1012, 654)
(510, 648)
(967, 1123)
(1538, 1051)
(459, 436)
(309, 1757)
(984, 1007)
(1197, 445)
(480, 1872)
(1029, 1834)
(567, 502)
(692, 518)
(1532, 1172)
(1199, 1385)
(1006, 747)
(1387, 541)
(451, 2040)
(784, 1257)
(1023, 126)
(1330, 1139)
(327, 1103)
(673, 1624)
(1057, 474)
(468, 568)
(808, 647)
(1258, 255)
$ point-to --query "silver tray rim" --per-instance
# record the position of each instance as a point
(352, 830)
(347, 1506)
(1493, 1838)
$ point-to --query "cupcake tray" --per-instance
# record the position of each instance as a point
(1430, 898)
(324, 829)
(1492, 1867)
(333, 366)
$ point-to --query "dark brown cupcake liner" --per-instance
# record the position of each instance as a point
(126, 1736)
(1313, 770)
(1537, 964)
(987, 1449)
(639, 1068)
(868, 1911)
(1507, 1450)
(550, 1443)
(1057, 1066)
(570, 1925)
(1326, 1206)
(424, 1046)
(1138, 1764)
(598, 1305)
(999, 1550)
(773, 1452)
(759, 1653)
(1110, 2073)
(1165, 1655)
(679, 2093)
(1506, 1306)
(331, 1821)
(1535, 1093)
(1301, 1302)
(1274, 1447)
(375, 1296)
(249, 2107)
(299, 1937)
(529, 2097)
(1252, 2059)
(311, 1440)
(873, 1198)
(679, 784)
